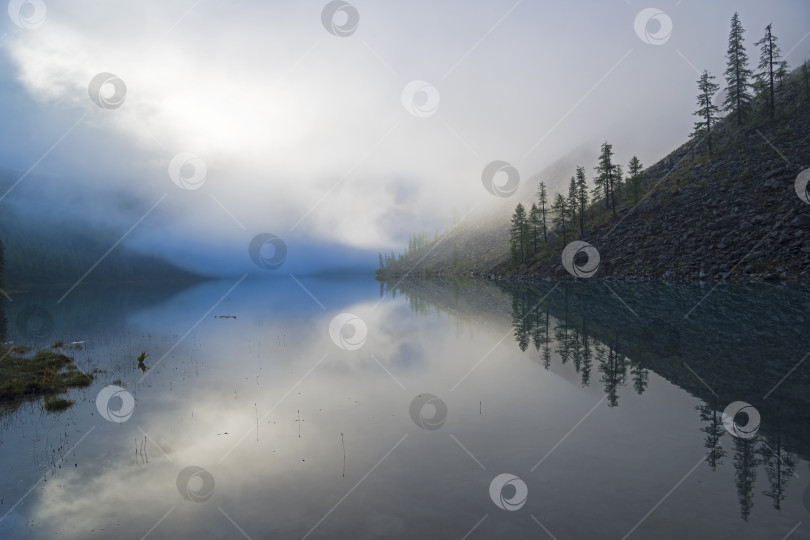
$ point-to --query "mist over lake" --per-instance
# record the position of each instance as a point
(334, 269)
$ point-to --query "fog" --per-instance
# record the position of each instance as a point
(325, 140)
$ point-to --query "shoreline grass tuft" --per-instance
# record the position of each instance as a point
(46, 374)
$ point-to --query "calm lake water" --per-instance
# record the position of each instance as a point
(420, 409)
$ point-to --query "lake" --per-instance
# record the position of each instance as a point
(346, 408)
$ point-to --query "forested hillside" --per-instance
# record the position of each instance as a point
(724, 205)
(43, 250)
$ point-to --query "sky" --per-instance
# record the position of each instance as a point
(195, 125)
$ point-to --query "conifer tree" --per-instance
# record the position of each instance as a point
(534, 224)
(573, 202)
(772, 68)
(707, 110)
(542, 200)
(737, 74)
(582, 192)
(605, 175)
(560, 211)
(634, 170)
(517, 234)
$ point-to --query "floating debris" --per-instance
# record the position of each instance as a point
(141, 358)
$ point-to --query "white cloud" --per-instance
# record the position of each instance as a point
(285, 114)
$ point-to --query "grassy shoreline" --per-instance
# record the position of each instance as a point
(47, 374)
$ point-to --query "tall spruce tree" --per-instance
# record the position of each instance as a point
(634, 170)
(707, 111)
(542, 200)
(582, 192)
(772, 68)
(517, 234)
(605, 172)
(560, 211)
(573, 202)
(535, 223)
(737, 74)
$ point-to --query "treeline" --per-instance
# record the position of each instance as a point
(566, 214)
(751, 96)
(417, 242)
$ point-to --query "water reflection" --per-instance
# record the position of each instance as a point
(744, 343)
(258, 414)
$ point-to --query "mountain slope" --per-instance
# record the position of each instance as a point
(47, 249)
(732, 215)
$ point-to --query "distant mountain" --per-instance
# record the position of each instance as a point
(44, 250)
(735, 214)
(480, 242)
